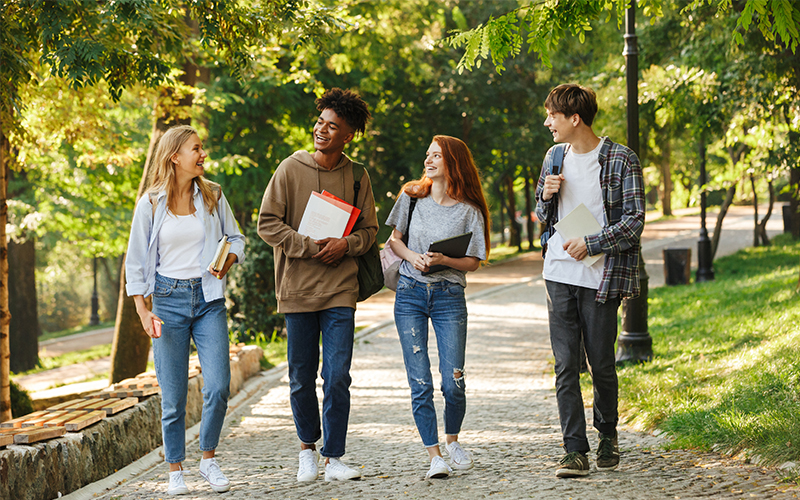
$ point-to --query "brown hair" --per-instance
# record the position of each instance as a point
(570, 99)
(462, 177)
(164, 167)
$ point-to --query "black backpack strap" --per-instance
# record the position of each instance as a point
(408, 222)
(559, 151)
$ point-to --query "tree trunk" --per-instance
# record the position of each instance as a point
(502, 213)
(666, 172)
(514, 239)
(5, 314)
(24, 326)
(131, 345)
(530, 227)
(794, 201)
(761, 228)
(755, 210)
(718, 226)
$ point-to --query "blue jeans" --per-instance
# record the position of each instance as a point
(337, 326)
(186, 315)
(445, 305)
(574, 315)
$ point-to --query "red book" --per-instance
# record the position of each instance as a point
(354, 212)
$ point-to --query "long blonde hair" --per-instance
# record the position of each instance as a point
(164, 167)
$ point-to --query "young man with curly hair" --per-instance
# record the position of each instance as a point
(582, 301)
(316, 280)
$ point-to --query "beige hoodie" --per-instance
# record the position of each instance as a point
(304, 284)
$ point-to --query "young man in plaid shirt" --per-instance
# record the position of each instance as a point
(582, 301)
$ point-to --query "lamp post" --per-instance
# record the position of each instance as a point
(95, 318)
(634, 343)
(705, 271)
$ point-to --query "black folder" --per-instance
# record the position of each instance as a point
(455, 247)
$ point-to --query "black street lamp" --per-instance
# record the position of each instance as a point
(634, 343)
(705, 271)
(95, 318)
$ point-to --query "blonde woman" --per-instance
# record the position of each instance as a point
(176, 228)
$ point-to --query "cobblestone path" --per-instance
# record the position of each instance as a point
(511, 428)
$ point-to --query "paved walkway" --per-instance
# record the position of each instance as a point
(511, 425)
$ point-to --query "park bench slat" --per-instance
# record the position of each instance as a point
(146, 374)
(117, 406)
(96, 404)
(137, 383)
(39, 434)
(84, 421)
(66, 417)
(194, 373)
(6, 439)
(78, 405)
(63, 405)
(39, 422)
(17, 422)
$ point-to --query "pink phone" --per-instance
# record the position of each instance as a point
(156, 328)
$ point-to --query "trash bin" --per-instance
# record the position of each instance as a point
(787, 219)
(677, 265)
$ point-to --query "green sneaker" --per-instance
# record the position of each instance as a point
(574, 464)
(608, 452)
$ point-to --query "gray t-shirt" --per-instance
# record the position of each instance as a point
(432, 222)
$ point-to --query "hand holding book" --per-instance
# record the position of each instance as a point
(220, 256)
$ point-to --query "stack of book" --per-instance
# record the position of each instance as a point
(327, 216)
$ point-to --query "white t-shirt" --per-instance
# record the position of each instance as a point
(180, 247)
(581, 184)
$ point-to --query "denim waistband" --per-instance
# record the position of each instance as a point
(176, 283)
(438, 285)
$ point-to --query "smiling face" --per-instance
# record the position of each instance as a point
(190, 158)
(561, 126)
(434, 162)
(331, 133)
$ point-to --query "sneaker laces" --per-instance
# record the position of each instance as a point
(307, 463)
(214, 474)
(458, 454)
(570, 457)
(337, 466)
(605, 448)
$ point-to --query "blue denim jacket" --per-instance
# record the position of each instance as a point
(142, 257)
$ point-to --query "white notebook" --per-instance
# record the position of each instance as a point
(322, 218)
(577, 224)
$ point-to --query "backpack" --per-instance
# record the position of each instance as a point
(558, 159)
(370, 272)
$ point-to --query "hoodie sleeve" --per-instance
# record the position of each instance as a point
(365, 230)
(272, 226)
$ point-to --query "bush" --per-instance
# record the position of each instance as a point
(21, 403)
(253, 314)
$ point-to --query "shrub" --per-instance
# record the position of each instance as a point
(21, 403)
(251, 289)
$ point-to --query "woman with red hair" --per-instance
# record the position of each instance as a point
(447, 201)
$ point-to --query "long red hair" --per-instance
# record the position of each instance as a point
(462, 177)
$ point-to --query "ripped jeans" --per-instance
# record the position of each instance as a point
(445, 305)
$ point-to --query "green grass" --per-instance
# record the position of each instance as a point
(499, 253)
(74, 331)
(726, 367)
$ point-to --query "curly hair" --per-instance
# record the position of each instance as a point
(347, 105)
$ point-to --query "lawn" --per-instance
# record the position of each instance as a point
(726, 367)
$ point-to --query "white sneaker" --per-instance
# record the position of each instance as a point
(211, 472)
(439, 469)
(336, 470)
(459, 457)
(309, 466)
(177, 486)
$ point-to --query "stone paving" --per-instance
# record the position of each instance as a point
(511, 428)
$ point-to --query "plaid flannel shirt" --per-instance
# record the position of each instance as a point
(623, 208)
